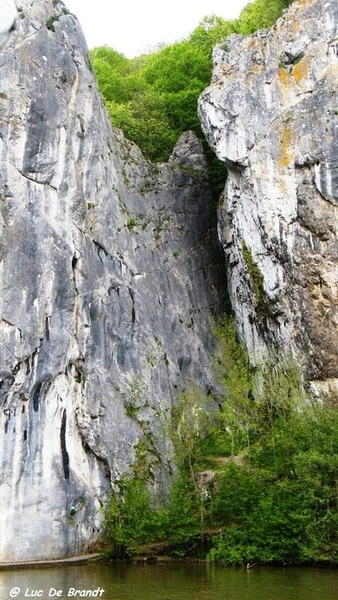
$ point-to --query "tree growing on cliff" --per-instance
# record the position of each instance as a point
(260, 14)
(273, 500)
(153, 98)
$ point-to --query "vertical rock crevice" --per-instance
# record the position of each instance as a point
(64, 453)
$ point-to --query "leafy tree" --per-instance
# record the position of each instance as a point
(153, 97)
(146, 106)
(231, 366)
(130, 519)
(260, 14)
(177, 67)
(273, 495)
(111, 69)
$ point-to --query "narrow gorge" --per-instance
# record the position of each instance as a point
(114, 270)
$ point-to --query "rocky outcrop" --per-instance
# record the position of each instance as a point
(271, 113)
(110, 276)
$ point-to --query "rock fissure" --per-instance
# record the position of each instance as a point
(31, 178)
(65, 455)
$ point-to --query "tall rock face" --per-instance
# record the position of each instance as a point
(110, 277)
(271, 113)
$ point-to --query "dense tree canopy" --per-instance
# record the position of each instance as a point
(260, 14)
(153, 98)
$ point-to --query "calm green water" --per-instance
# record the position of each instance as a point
(172, 582)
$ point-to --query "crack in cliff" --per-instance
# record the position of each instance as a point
(118, 257)
(133, 312)
(31, 178)
(64, 453)
(89, 441)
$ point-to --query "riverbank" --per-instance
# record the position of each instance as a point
(37, 564)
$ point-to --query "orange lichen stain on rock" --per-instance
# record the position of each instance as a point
(285, 150)
(301, 69)
(283, 187)
(304, 3)
(256, 69)
(254, 42)
(229, 70)
(283, 76)
(296, 27)
(293, 26)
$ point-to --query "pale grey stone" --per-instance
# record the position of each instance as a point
(110, 276)
(271, 113)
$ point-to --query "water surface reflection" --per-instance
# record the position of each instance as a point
(179, 581)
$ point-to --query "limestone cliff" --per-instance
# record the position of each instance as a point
(110, 276)
(8, 16)
(271, 113)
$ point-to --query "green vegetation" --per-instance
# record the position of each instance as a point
(153, 97)
(261, 14)
(257, 466)
(130, 519)
(256, 277)
(50, 22)
(132, 222)
(54, 18)
(257, 472)
(280, 502)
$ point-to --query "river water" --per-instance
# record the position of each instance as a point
(170, 581)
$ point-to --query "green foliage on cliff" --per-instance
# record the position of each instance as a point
(257, 472)
(130, 520)
(153, 98)
(261, 14)
(280, 504)
(255, 275)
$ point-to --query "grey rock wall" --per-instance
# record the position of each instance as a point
(8, 16)
(110, 275)
(271, 115)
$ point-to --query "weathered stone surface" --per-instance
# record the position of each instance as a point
(8, 16)
(110, 275)
(271, 113)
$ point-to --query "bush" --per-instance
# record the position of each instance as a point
(272, 455)
(131, 520)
